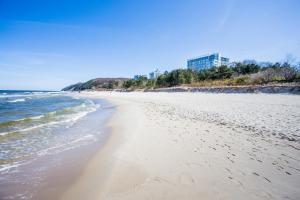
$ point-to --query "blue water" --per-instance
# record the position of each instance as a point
(32, 124)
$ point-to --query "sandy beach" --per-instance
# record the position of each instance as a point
(195, 146)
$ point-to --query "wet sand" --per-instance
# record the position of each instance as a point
(47, 176)
(196, 146)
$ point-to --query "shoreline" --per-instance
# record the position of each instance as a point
(49, 175)
(79, 158)
(164, 146)
(92, 183)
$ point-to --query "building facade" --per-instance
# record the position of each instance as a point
(207, 61)
(154, 75)
(137, 77)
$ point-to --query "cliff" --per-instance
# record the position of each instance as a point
(97, 84)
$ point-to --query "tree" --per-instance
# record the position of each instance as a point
(110, 85)
(242, 69)
(290, 59)
(224, 72)
(127, 84)
(161, 80)
(150, 83)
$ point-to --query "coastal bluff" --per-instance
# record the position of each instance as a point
(276, 89)
(115, 84)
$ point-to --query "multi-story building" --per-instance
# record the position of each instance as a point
(137, 77)
(155, 74)
(207, 61)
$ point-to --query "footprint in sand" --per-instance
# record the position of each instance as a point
(230, 159)
(228, 170)
(267, 179)
(237, 182)
(256, 174)
(163, 180)
(213, 148)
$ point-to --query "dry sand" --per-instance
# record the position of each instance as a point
(196, 146)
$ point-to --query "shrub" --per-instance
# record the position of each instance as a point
(277, 73)
(161, 80)
(241, 68)
(289, 73)
(150, 83)
(128, 84)
(241, 80)
(257, 78)
(223, 75)
(297, 76)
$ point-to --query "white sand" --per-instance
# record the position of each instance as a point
(196, 146)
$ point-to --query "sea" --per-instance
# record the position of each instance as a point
(37, 128)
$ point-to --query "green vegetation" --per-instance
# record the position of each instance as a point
(98, 84)
(241, 74)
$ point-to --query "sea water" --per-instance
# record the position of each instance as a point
(37, 124)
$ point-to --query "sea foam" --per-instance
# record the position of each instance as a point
(16, 100)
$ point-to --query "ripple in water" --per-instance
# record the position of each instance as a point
(33, 124)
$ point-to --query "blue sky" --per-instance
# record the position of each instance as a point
(53, 43)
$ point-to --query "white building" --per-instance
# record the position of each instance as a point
(154, 74)
(207, 61)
